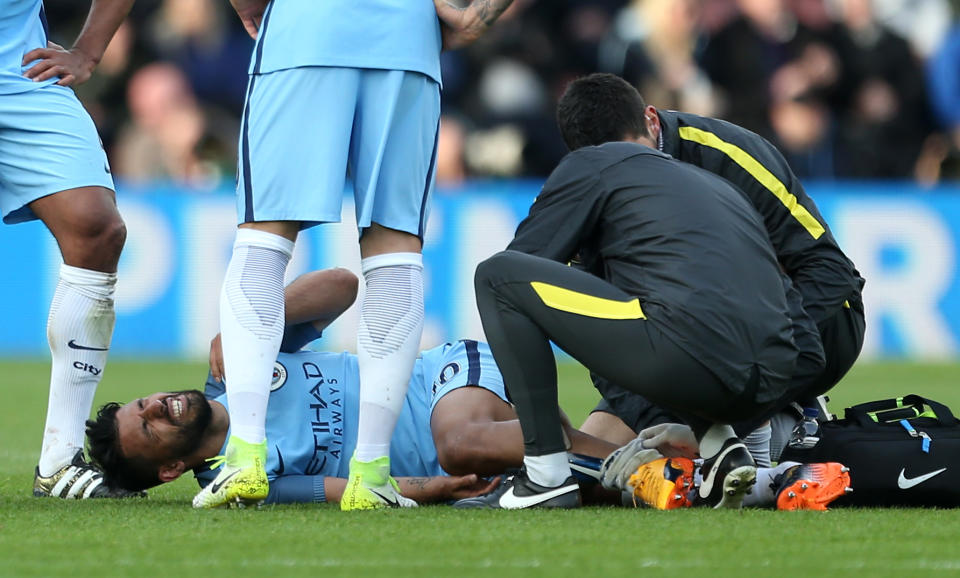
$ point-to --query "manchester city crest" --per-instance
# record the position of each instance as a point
(279, 376)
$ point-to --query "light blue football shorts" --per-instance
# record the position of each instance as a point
(461, 364)
(309, 134)
(440, 371)
(48, 144)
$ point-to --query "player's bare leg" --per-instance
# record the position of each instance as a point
(609, 427)
(388, 341)
(251, 330)
(476, 432)
(91, 234)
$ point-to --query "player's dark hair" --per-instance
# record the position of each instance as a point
(119, 471)
(600, 108)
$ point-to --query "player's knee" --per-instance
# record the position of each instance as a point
(481, 274)
(95, 243)
(491, 267)
(108, 238)
(114, 236)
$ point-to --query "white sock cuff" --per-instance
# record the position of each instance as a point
(391, 260)
(549, 470)
(97, 282)
(713, 439)
(256, 238)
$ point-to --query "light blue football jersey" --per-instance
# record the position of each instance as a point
(312, 414)
(383, 34)
(22, 28)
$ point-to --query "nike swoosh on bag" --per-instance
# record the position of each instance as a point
(72, 344)
(511, 501)
(217, 485)
(905, 483)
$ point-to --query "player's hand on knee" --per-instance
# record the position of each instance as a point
(673, 440)
(616, 470)
(72, 66)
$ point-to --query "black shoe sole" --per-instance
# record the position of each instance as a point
(736, 484)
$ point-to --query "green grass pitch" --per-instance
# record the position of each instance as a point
(163, 536)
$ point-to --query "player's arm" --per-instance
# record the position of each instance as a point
(311, 303)
(462, 26)
(251, 14)
(565, 211)
(319, 297)
(75, 65)
(805, 333)
(295, 489)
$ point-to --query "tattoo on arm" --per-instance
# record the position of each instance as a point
(418, 482)
(490, 10)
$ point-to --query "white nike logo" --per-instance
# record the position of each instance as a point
(905, 483)
(511, 501)
(391, 501)
(707, 484)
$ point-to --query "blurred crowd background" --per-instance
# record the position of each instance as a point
(848, 89)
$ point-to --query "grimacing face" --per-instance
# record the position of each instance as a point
(163, 427)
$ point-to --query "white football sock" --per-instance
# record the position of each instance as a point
(79, 330)
(764, 492)
(251, 326)
(549, 470)
(712, 441)
(758, 444)
(388, 340)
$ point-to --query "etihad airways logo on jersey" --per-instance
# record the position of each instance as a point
(326, 418)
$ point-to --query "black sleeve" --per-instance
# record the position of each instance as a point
(803, 242)
(805, 333)
(562, 215)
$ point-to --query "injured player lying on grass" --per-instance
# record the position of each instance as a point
(456, 435)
